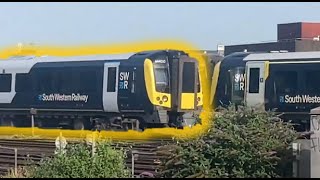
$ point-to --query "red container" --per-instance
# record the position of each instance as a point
(310, 30)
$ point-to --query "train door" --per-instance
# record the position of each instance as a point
(189, 86)
(255, 86)
(110, 87)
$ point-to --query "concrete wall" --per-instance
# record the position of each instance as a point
(307, 45)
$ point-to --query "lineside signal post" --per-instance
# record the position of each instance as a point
(61, 143)
(91, 141)
(32, 112)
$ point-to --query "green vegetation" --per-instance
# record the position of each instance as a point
(243, 143)
(77, 162)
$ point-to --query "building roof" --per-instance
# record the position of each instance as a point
(283, 56)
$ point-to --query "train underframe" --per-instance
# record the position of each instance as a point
(89, 121)
(300, 121)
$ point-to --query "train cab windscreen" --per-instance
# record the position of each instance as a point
(161, 78)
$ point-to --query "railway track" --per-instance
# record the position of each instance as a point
(32, 151)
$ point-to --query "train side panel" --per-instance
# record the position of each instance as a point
(293, 87)
(132, 91)
(57, 85)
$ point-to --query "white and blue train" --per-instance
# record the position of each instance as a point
(288, 83)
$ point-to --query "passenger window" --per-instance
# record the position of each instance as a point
(312, 81)
(254, 76)
(23, 83)
(87, 81)
(286, 82)
(111, 86)
(5, 82)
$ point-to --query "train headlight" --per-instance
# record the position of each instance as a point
(164, 98)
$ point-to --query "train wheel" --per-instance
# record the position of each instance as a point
(78, 124)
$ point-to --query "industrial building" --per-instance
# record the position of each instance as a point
(291, 37)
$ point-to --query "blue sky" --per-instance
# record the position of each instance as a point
(203, 24)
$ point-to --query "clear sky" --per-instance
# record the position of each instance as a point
(203, 24)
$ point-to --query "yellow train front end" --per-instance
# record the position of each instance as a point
(173, 86)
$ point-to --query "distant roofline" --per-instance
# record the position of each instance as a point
(283, 56)
(274, 41)
(255, 43)
(301, 22)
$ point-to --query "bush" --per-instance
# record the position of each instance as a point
(22, 172)
(242, 143)
(77, 162)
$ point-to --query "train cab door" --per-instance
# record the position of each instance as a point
(255, 86)
(110, 87)
(188, 86)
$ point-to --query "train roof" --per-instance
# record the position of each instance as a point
(111, 57)
(311, 55)
(70, 58)
(23, 64)
(234, 59)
